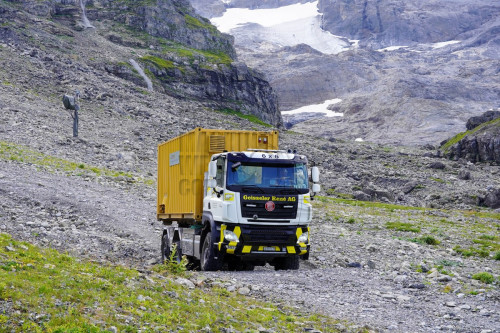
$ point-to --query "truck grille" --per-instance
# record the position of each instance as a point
(268, 235)
(282, 209)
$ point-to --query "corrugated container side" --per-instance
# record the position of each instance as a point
(183, 161)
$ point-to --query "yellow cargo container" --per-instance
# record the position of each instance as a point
(183, 161)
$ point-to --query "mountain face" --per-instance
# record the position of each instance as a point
(385, 23)
(181, 52)
(406, 72)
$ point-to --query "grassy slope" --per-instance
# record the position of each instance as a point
(469, 233)
(43, 290)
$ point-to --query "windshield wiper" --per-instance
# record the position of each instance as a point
(288, 190)
(246, 188)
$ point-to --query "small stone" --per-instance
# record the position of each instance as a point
(464, 307)
(244, 291)
(437, 165)
(354, 265)
(231, 288)
(400, 278)
(10, 249)
(451, 304)
(152, 261)
(433, 274)
(403, 298)
(388, 296)
(113, 329)
(424, 268)
(416, 286)
(185, 282)
(444, 278)
(371, 264)
(464, 175)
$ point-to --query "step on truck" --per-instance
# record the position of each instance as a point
(231, 200)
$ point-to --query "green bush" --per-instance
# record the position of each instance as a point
(429, 240)
(483, 277)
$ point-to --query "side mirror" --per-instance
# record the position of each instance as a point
(315, 175)
(212, 170)
(316, 188)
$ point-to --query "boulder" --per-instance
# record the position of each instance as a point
(492, 199)
(473, 122)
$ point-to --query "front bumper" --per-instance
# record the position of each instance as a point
(264, 241)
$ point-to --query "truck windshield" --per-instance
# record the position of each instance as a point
(267, 175)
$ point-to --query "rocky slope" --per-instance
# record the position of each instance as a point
(180, 51)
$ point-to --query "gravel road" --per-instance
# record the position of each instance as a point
(112, 220)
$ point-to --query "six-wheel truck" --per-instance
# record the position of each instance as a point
(231, 199)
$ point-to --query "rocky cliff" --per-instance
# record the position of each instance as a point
(481, 143)
(181, 52)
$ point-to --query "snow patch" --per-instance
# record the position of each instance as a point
(443, 44)
(284, 26)
(317, 108)
(235, 17)
(391, 48)
(359, 140)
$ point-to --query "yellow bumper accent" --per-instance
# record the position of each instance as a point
(222, 228)
(246, 249)
(231, 247)
(290, 249)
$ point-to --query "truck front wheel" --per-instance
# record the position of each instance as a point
(287, 263)
(208, 261)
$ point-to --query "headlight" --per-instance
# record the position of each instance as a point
(303, 238)
(230, 236)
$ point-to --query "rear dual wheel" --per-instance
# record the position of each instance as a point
(167, 249)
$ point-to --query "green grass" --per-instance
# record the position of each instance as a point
(401, 226)
(484, 277)
(22, 154)
(429, 240)
(471, 251)
(46, 291)
(159, 62)
(248, 117)
(194, 23)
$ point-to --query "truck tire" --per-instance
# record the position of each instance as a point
(208, 262)
(287, 263)
(166, 249)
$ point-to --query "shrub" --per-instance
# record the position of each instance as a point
(497, 256)
(483, 277)
(430, 240)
